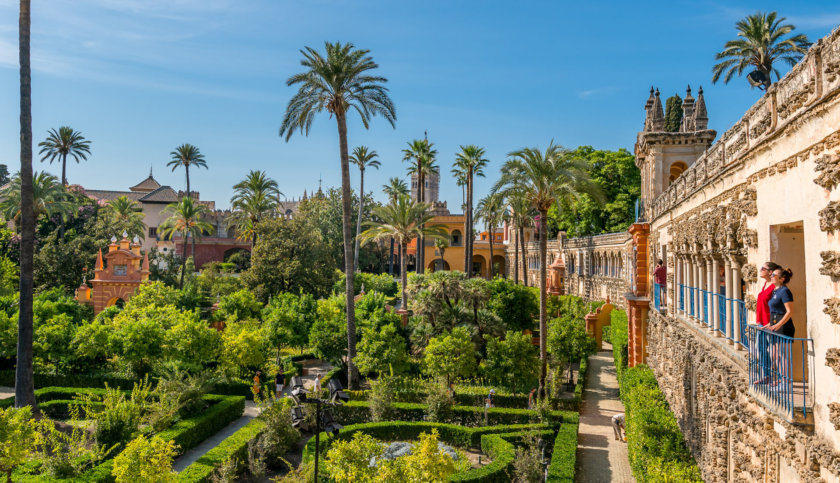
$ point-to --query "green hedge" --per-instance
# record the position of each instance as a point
(356, 412)
(655, 443)
(495, 441)
(186, 433)
(564, 456)
(234, 446)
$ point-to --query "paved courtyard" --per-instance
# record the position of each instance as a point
(600, 458)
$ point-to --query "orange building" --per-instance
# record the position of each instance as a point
(117, 281)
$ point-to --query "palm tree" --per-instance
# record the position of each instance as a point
(362, 158)
(254, 199)
(187, 155)
(393, 189)
(49, 198)
(441, 244)
(760, 44)
(185, 217)
(521, 215)
(545, 178)
(492, 210)
(470, 162)
(421, 154)
(62, 143)
(339, 83)
(126, 216)
(24, 377)
(403, 219)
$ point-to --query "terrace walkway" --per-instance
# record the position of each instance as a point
(600, 457)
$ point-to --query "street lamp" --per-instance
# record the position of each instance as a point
(325, 416)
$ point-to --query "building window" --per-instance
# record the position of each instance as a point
(120, 270)
(152, 231)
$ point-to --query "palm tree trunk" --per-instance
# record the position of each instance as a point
(403, 276)
(359, 219)
(421, 240)
(64, 169)
(471, 222)
(467, 256)
(515, 255)
(543, 329)
(184, 261)
(490, 271)
(352, 376)
(524, 258)
(24, 378)
(391, 259)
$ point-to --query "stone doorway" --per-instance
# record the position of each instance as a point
(787, 248)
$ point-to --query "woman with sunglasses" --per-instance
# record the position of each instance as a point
(781, 320)
(762, 318)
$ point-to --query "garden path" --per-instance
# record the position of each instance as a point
(600, 457)
(188, 458)
(6, 392)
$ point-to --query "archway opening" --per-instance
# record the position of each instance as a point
(676, 170)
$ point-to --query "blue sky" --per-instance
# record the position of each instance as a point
(143, 76)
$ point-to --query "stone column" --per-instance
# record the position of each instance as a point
(709, 288)
(714, 309)
(729, 313)
(698, 285)
(736, 295)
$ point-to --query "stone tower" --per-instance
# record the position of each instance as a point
(432, 187)
(663, 156)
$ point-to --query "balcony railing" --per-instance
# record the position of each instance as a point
(658, 290)
(697, 303)
(781, 373)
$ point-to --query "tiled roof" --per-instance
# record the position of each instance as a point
(108, 195)
(163, 194)
(147, 185)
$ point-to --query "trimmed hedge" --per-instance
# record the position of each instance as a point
(234, 446)
(495, 441)
(564, 456)
(656, 447)
(356, 412)
(186, 433)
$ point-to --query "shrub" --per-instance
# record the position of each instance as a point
(234, 447)
(349, 461)
(116, 418)
(568, 340)
(243, 349)
(511, 362)
(192, 344)
(328, 335)
(145, 460)
(382, 351)
(288, 318)
(564, 456)
(68, 454)
(438, 402)
(239, 305)
(527, 465)
(515, 304)
(381, 398)
(451, 355)
(18, 437)
(278, 436)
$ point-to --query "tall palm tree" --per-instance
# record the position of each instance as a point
(760, 44)
(403, 219)
(339, 84)
(393, 189)
(49, 198)
(24, 377)
(254, 199)
(422, 157)
(187, 155)
(521, 217)
(492, 210)
(126, 216)
(362, 158)
(62, 143)
(441, 244)
(546, 178)
(185, 217)
(470, 162)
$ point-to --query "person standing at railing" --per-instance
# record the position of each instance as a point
(781, 317)
(660, 276)
(762, 317)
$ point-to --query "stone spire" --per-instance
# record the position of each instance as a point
(658, 119)
(701, 117)
(688, 123)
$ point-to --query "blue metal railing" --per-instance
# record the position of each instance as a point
(682, 297)
(692, 306)
(771, 370)
(741, 312)
(705, 295)
(657, 296)
(721, 313)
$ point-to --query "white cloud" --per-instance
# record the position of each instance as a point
(596, 92)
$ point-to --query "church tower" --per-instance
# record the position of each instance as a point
(432, 187)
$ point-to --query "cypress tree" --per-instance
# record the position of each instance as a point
(673, 113)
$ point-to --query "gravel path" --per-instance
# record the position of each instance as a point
(188, 458)
(600, 458)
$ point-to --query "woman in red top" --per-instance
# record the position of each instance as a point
(762, 316)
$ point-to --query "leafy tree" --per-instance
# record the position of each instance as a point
(240, 305)
(146, 460)
(546, 178)
(362, 158)
(673, 113)
(50, 198)
(243, 349)
(327, 334)
(511, 362)
(137, 337)
(18, 438)
(153, 294)
(469, 163)
(422, 157)
(8, 335)
(4, 174)
(291, 256)
(761, 44)
(382, 351)
(382, 283)
(186, 218)
(124, 215)
(288, 318)
(521, 216)
(339, 83)
(349, 461)
(53, 339)
(91, 344)
(255, 198)
(568, 340)
(403, 220)
(451, 355)
(62, 263)
(9, 279)
(191, 343)
(515, 304)
(62, 143)
(619, 180)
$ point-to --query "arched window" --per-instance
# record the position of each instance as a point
(676, 170)
(456, 238)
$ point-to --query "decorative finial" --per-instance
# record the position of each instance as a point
(113, 239)
(125, 234)
(657, 92)
(700, 90)
(136, 240)
(150, 171)
(688, 90)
